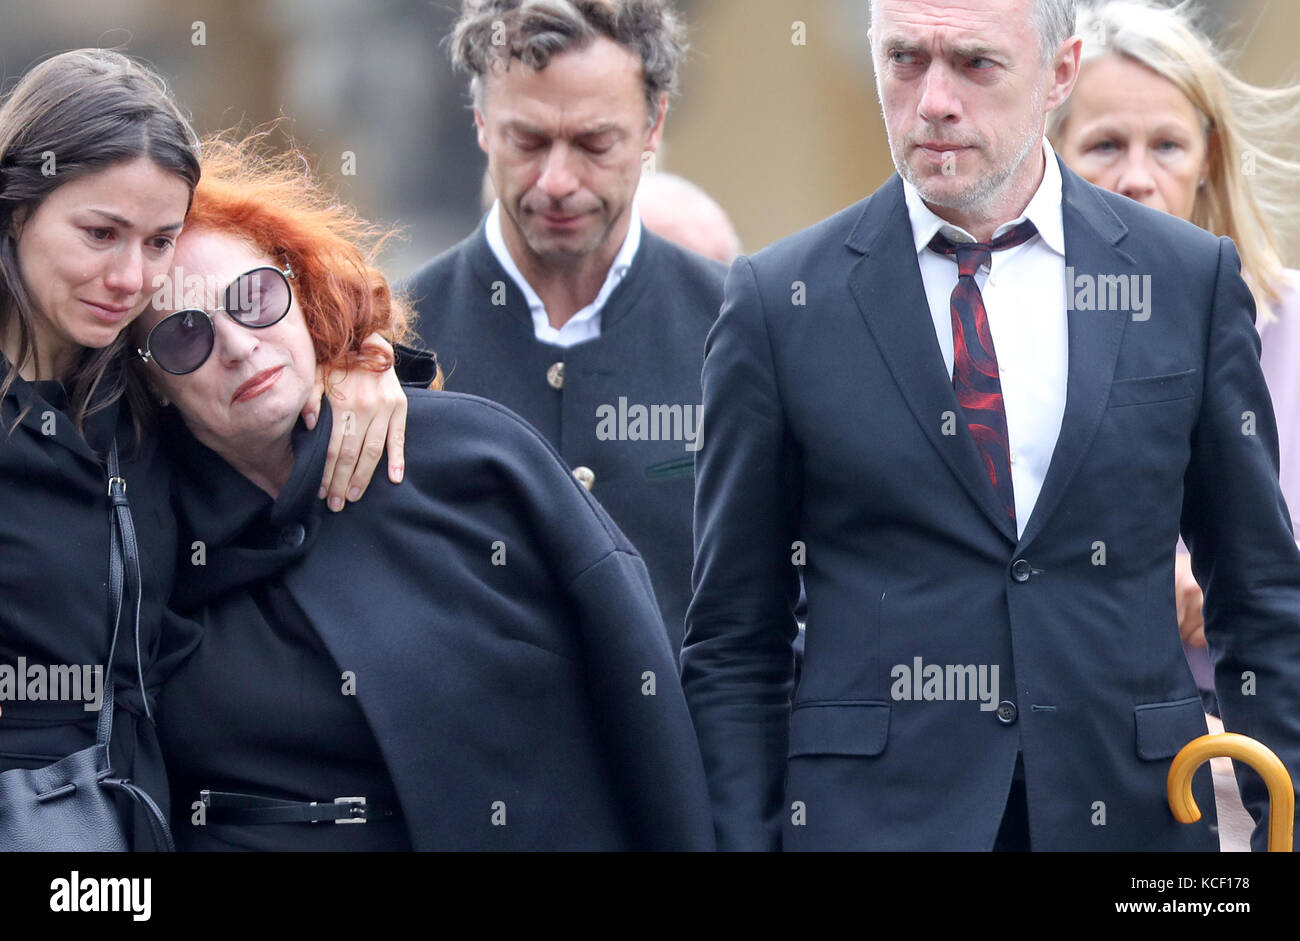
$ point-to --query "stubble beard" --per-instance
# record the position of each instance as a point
(985, 190)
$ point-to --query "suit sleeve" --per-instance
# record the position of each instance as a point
(737, 662)
(1244, 554)
(637, 703)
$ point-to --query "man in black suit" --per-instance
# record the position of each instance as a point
(977, 409)
(561, 306)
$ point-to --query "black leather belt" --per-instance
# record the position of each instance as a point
(250, 809)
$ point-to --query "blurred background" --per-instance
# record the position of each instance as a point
(781, 134)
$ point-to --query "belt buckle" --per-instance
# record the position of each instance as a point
(358, 809)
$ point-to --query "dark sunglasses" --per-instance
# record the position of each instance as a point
(182, 342)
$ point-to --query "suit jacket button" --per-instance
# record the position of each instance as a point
(555, 376)
(1007, 712)
(585, 476)
(1021, 570)
(291, 536)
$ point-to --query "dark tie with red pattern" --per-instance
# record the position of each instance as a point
(975, 363)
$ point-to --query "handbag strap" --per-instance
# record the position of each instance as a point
(153, 815)
(123, 562)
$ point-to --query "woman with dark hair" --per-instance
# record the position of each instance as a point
(474, 660)
(97, 170)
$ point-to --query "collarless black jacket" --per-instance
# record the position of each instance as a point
(649, 354)
(507, 650)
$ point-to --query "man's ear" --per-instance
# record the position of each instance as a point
(656, 135)
(1065, 72)
(480, 126)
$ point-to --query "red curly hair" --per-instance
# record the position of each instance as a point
(274, 201)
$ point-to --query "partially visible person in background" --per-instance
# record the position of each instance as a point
(562, 306)
(1156, 116)
(682, 212)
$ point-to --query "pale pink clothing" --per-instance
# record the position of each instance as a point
(1280, 359)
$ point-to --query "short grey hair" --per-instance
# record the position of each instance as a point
(490, 33)
(1053, 19)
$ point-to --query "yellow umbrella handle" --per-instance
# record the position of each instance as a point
(1281, 794)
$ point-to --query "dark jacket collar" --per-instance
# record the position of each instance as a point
(35, 400)
(246, 535)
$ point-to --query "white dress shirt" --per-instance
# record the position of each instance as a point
(1024, 294)
(585, 324)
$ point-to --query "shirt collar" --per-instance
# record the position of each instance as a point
(622, 261)
(1044, 211)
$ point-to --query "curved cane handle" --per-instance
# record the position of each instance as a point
(1281, 794)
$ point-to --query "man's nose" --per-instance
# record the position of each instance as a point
(558, 179)
(125, 274)
(938, 104)
(1136, 181)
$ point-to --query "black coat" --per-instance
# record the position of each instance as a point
(649, 353)
(54, 547)
(523, 683)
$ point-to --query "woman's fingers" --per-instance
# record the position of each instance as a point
(369, 411)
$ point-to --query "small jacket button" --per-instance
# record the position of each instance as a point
(1021, 570)
(555, 376)
(291, 536)
(586, 476)
(1007, 712)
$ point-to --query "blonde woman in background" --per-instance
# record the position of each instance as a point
(1157, 116)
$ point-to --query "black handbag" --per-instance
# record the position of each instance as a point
(72, 805)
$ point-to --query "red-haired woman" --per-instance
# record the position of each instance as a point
(473, 660)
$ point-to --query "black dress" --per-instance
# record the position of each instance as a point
(54, 548)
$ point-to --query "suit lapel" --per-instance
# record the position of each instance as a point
(886, 284)
(1092, 234)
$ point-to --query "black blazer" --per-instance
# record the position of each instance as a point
(503, 634)
(650, 352)
(826, 425)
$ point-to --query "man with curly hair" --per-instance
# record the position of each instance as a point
(561, 306)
